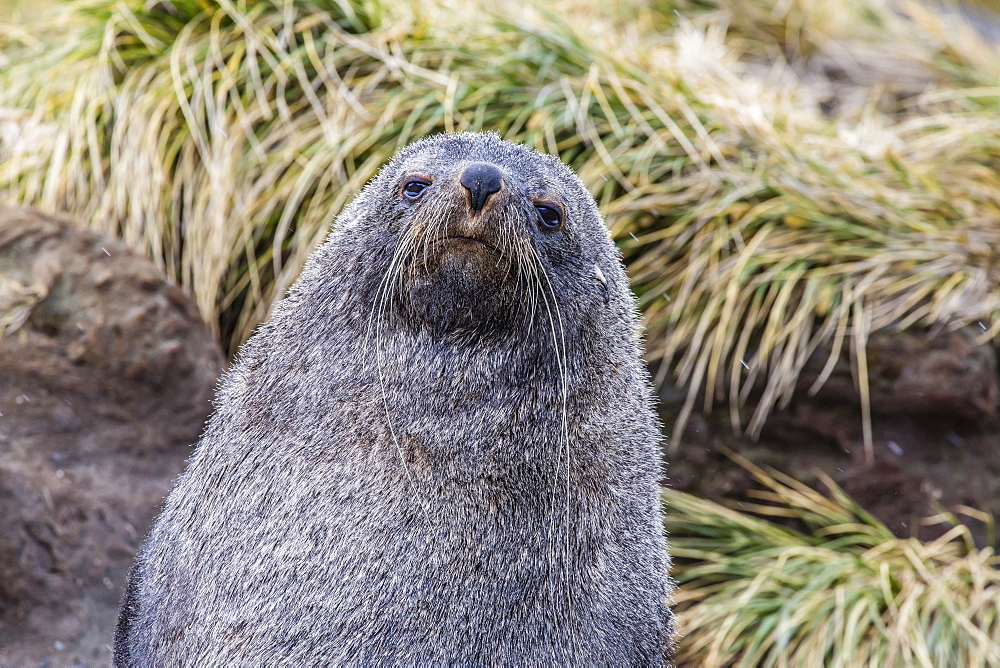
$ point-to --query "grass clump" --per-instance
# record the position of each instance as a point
(841, 591)
(221, 139)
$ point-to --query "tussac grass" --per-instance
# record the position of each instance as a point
(776, 188)
(843, 591)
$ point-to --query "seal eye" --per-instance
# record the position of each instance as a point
(549, 217)
(414, 188)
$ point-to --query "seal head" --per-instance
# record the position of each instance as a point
(481, 236)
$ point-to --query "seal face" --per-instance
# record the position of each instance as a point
(476, 234)
(441, 449)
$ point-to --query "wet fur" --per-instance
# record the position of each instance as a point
(425, 458)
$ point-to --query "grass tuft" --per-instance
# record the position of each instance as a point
(840, 591)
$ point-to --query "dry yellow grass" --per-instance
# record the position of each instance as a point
(22, 11)
(782, 177)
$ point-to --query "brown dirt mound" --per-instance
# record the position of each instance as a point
(106, 374)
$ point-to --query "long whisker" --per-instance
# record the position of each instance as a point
(528, 276)
(379, 326)
(558, 334)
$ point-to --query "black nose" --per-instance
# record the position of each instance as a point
(481, 180)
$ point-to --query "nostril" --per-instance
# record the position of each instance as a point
(481, 180)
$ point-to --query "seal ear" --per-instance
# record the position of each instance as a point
(604, 283)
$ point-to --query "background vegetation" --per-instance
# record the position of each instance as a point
(783, 178)
(838, 589)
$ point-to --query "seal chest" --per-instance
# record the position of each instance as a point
(441, 449)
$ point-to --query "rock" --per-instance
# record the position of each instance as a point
(106, 376)
(913, 372)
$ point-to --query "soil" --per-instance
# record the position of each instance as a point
(920, 469)
(106, 374)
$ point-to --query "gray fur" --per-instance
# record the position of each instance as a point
(431, 454)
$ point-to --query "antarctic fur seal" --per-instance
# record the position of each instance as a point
(440, 449)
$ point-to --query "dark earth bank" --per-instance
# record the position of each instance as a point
(106, 373)
(935, 443)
